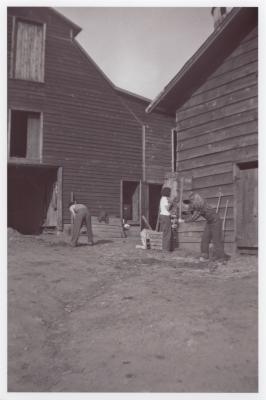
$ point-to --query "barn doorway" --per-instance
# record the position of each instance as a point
(131, 201)
(34, 198)
(247, 207)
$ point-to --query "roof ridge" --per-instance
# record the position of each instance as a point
(76, 27)
(230, 16)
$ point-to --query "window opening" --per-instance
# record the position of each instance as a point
(25, 134)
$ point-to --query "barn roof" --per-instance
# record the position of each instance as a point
(128, 93)
(206, 59)
(76, 28)
(137, 104)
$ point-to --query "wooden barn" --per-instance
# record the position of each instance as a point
(71, 132)
(214, 101)
(157, 160)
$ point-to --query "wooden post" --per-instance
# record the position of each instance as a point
(123, 235)
(72, 198)
(224, 219)
(146, 222)
(217, 209)
(59, 199)
(218, 203)
(143, 152)
(181, 199)
(158, 220)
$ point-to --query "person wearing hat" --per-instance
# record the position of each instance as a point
(197, 207)
(165, 219)
(80, 215)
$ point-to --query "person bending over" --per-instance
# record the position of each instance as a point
(198, 207)
(81, 215)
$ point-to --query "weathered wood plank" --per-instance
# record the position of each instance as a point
(232, 63)
(219, 135)
(212, 191)
(252, 34)
(240, 154)
(196, 237)
(213, 180)
(223, 112)
(212, 94)
(206, 171)
(221, 146)
(251, 90)
(198, 226)
(245, 46)
(229, 77)
(227, 122)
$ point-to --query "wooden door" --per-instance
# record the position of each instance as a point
(51, 216)
(53, 201)
(144, 202)
(247, 208)
(135, 204)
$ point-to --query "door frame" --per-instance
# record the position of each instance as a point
(121, 196)
(60, 224)
(236, 178)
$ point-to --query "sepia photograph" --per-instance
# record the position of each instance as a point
(132, 199)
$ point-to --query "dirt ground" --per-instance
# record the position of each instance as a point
(113, 318)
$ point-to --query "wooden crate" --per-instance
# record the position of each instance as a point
(156, 240)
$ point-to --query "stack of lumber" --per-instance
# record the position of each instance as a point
(156, 240)
(112, 230)
(100, 230)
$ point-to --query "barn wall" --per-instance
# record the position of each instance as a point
(158, 153)
(86, 128)
(157, 139)
(217, 127)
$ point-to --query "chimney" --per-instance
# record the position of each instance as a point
(218, 14)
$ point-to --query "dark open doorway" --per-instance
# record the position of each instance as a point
(33, 198)
(131, 201)
(25, 135)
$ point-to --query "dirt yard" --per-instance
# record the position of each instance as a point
(113, 318)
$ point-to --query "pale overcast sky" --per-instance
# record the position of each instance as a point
(141, 49)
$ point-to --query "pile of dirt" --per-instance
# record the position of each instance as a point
(13, 234)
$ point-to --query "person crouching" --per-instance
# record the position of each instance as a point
(81, 215)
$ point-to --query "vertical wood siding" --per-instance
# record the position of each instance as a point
(86, 128)
(218, 126)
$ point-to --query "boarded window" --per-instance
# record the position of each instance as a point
(28, 51)
(25, 135)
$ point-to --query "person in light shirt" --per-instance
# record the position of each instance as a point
(165, 219)
(81, 215)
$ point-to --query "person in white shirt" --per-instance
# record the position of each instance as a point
(80, 214)
(165, 219)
